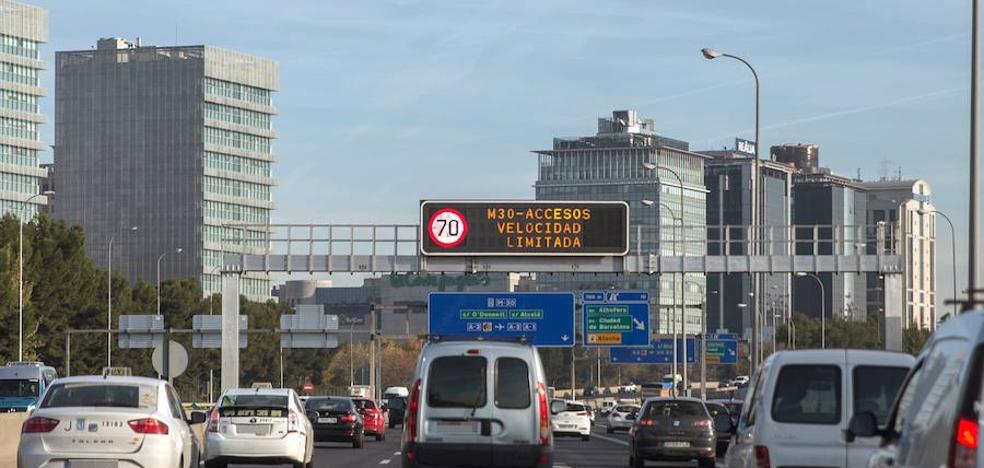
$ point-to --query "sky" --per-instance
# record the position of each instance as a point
(385, 103)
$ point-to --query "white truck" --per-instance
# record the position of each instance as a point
(362, 391)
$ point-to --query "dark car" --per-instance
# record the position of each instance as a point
(672, 429)
(722, 416)
(396, 407)
(335, 419)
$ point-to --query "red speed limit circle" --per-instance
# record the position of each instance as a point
(448, 227)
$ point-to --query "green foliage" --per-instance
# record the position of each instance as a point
(64, 289)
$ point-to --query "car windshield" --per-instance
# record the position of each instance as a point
(673, 409)
(329, 404)
(19, 388)
(100, 394)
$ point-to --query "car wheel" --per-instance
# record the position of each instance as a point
(380, 436)
(391, 424)
(585, 437)
(214, 464)
(638, 462)
(609, 429)
(706, 463)
(357, 442)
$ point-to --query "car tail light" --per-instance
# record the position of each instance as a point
(292, 425)
(762, 457)
(583, 413)
(541, 395)
(38, 424)
(964, 453)
(410, 418)
(703, 423)
(148, 426)
(349, 418)
(213, 421)
(647, 422)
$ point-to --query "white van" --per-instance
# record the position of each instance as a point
(478, 404)
(800, 402)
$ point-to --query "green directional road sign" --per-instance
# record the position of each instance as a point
(616, 318)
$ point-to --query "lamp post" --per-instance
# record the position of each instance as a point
(109, 299)
(953, 250)
(712, 54)
(20, 277)
(166, 352)
(676, 219)
(823, 313)
(703, 341)
(683, 276)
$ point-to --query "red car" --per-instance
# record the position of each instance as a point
(373, 420)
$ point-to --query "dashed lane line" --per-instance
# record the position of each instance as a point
(609, 439)
(384, 462)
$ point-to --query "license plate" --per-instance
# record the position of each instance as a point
(456, 426)
(676, 444)
(255, 429)
(91, 464)
(327, 420)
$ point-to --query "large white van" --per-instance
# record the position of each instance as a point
(800, 402)
(478, 403)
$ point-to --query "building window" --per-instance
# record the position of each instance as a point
(15, 128)
(235, 115)
(18, 74)
(228, 89)
(19, 46)
(239, 140)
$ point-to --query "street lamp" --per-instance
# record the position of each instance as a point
(683, 310)
(712, 54)
(953, 250)
(823, 313)
(109, 299)
(20, 277)
(166, 351)
(683, 276)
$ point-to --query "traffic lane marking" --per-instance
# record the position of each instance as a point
(384, 462)
(609, 439)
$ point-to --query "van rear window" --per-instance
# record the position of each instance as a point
(875, 388)
(512, 383)
(457, 382)
(808, 394)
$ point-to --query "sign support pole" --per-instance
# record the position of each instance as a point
(230, 330)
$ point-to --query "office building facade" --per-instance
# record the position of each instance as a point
(609, 166)
(173, 140)
(731, 300)
(23, 28)
(838, 207)
(906, 206)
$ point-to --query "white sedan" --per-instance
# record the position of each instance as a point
(618, 419)
(266, 426)
(97, 421)
(570, 418)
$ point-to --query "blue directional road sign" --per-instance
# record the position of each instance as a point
(661, 352)
(722, 349)
(544, 319)
(616, 318)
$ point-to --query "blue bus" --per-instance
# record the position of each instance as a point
(22, 384)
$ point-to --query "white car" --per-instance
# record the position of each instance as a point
(570, 417)
(98, 421)
(618, 419)
(266, 426)
(741, 380)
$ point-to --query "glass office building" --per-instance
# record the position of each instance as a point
(609, 166)
(23, 28)
(174, 140)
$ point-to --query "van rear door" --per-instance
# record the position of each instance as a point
(873, 388)
(457, 412)
(808, 410)
(515, 426)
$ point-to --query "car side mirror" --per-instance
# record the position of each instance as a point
(862, 424)
(198, 417)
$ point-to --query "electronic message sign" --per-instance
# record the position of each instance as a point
(524, 228)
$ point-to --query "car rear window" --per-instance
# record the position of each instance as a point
(575, 407)
(253, 405)
(457, 382)
(100, 394)
(808, 394)
(396, 403)
(512, 383)
(875, 388)
(625, 409)
(674, 409)
(364, 404)
(328, 404)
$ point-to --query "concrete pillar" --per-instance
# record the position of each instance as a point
(230, 330)
(894, 310)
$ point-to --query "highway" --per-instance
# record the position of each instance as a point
(602, 451)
